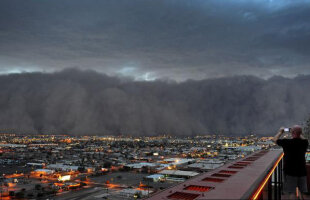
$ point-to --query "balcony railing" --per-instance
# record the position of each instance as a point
(257, 176)
(272, 185)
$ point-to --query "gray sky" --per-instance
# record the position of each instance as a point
(154, 39)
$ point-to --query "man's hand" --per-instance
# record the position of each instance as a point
(278, 135)
(281, 130)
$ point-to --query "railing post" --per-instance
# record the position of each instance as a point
(280, 179)
(270, 188)
(276, 183)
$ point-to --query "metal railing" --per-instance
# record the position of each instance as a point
(272, 185)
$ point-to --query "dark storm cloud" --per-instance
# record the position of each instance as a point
(86, 102)
(146, 39)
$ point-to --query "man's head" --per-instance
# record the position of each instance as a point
(296, 131)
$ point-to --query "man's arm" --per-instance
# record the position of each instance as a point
(278, 135)
(302, 137)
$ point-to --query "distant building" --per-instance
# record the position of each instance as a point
(35, 165)
(43, 172)
(178, 175)
(154, 177)
(61, 167)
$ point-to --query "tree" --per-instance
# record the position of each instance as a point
(20, 194)
(37, 186)
(11, 193)
(40, 194)
(145, 169)
(30, 195)
(107, 164)
(81, 169)
(137, 195)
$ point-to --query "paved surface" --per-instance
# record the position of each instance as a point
(77, 194)
(129, 179)
(10, 169)
(98, 187)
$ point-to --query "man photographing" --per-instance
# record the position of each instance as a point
(294, 149)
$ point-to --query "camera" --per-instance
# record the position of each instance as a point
(287, 129)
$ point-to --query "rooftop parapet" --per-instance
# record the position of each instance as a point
(257, 176)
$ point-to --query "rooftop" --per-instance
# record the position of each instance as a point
(178, 173)
(240, 179)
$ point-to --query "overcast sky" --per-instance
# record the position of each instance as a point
(154, 39)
